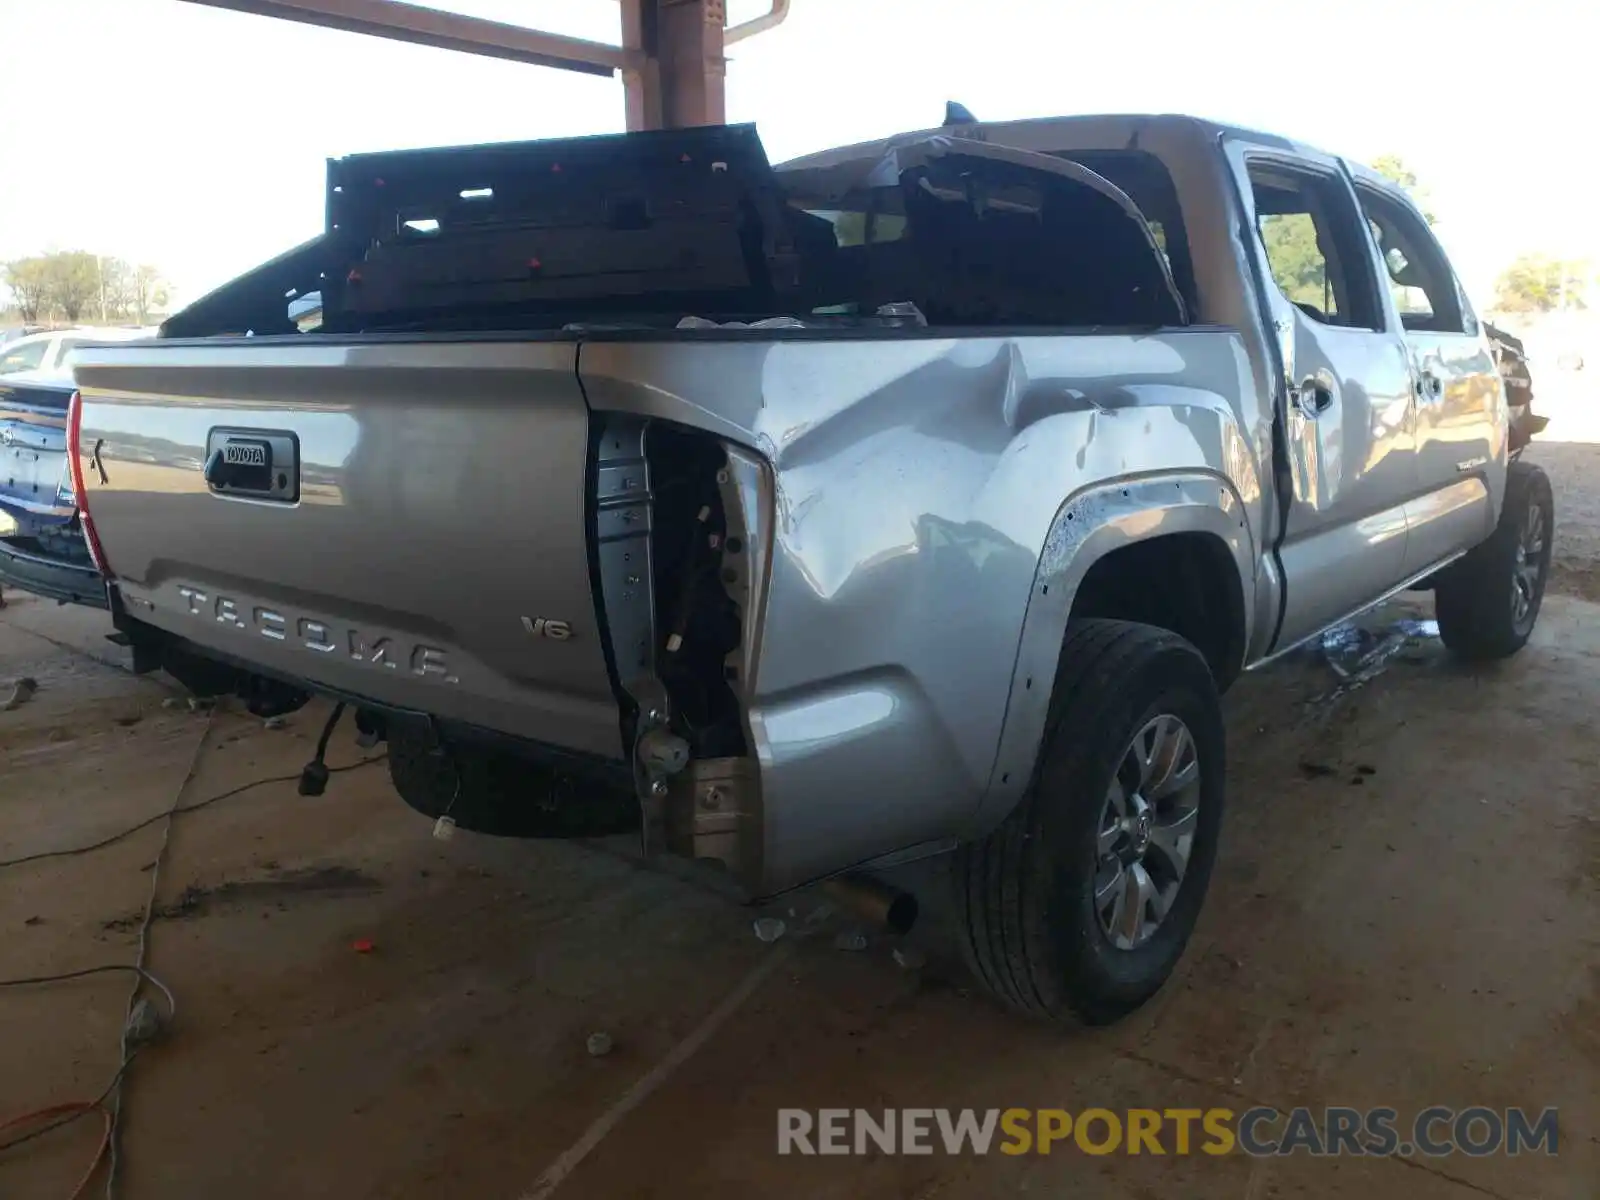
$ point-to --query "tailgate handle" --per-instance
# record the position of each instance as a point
(256, 464)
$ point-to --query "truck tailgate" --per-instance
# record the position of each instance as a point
(370, 538)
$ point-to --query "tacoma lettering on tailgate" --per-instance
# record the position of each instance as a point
(321, 637)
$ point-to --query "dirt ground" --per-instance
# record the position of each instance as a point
(1569, 451)
(1406, 912)
(1574, 470)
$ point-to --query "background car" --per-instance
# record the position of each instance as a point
(42, 549)
(49, 353)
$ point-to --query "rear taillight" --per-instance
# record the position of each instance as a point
(79, 491)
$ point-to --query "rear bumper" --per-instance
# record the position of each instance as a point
(210, 672)
(69, 583)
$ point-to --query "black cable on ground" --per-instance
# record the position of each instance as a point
(82, 1108)
(187, 808)
(107, 969)
(129, 1048)
(109, 1101)
(134, 1035)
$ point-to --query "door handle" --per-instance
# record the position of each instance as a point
(1311, 398)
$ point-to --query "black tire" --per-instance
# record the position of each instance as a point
(502, 795)
(1025, 909)
(1475, 597)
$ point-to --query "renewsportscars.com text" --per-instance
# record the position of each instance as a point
(1432, 1132)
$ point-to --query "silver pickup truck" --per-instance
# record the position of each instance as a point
(915, 497)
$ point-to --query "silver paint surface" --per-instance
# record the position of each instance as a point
(919, 511)
(441, 501)
(916, 486)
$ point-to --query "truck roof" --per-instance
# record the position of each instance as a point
(1107, 130)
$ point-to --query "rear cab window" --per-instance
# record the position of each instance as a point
(1148, 183)
(974, 241)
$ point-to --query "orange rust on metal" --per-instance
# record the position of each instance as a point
(671, 58)
(445, 30)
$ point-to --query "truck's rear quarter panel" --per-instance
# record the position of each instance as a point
(441, 502)
(917, 484)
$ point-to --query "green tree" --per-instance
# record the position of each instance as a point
(28, 280)
(1298, 264)
(1540, 283)
(1392, 167)
(74, 282)
(150, 292)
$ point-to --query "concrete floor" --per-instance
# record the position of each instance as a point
(1426, 933)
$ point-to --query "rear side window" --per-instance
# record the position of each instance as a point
(1314, 243)
(1420, 280)
(23, 356)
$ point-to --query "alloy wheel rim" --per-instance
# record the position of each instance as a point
(1528, 565)
(1145, 836)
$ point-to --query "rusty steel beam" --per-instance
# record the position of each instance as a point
(671, 58)
(680, 78)
(446, 31)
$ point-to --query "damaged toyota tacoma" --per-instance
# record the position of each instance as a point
(913, 498)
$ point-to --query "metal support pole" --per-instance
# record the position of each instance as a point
(679, 81)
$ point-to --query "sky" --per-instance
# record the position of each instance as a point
(196, 139)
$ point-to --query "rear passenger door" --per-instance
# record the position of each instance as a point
(1459, 396)
(1348, 416)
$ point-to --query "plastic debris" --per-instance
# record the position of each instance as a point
(909, 958)
(902, 309)
(599, 1045)
(1417, 628)
(818, 915)
(444, 828)
(852, 940)
(201, 704)
(1357, 655)
(275, 723)
(21, 692)
(144, 1024)
(765, 323)
(769, 929)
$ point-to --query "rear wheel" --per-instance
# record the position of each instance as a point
(1488, 602)
(1082, 902)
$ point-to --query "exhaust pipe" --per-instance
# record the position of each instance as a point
(875, 901)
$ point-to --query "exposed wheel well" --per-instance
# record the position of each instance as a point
(1185, 582)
